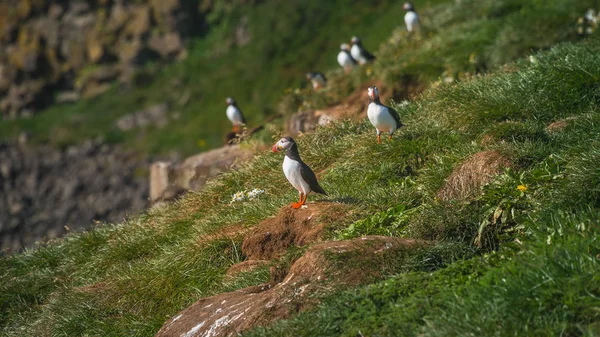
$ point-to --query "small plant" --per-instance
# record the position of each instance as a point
(245, 195)
(390, 222)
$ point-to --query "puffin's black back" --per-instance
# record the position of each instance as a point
(305, 171)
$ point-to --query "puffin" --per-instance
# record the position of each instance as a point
(345, 59)
(296, 171)
(383, 118)
(318, 80)
(410, 18)
(234, 114)
(359, 53)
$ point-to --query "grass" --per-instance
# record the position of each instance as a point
(278, 57)
(518, 258)
(458, 41)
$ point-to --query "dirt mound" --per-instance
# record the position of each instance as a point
(246, 266)
(356, 104)
(290, 227)
(320, 269)
(472, 174)
(559, 125)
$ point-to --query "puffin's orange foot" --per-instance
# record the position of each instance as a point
(296, 205)
(378, 139)
(390, 137)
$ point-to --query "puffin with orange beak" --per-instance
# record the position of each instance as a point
(296, 171)
(234, 114)
(383, 118)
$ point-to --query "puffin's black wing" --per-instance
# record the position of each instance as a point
(243, 118)
(367, 55)
(396, 117)
(309, 176)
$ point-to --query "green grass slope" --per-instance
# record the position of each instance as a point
(520, 257)
(279, 55)
(458, 40)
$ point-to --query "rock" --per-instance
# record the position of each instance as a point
(159, 180)
(167, 45)
(58, 41)
(7, 76)
(55, 11)
(195, 171)
(94, 89)
(155, 115)
(130, 52)
(104, 74)
(139, 23)
(78, 7)
(95, 50)
(49, 30)
(67, 97)
(43, 189)
(242, 35)
(302, 122)
(118, 17)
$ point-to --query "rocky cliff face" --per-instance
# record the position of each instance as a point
(46, 192)
(63, 50)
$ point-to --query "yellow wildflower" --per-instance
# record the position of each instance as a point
(522, 188)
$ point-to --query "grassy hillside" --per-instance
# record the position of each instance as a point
(458, 40)
(518, 256)
(277, 58)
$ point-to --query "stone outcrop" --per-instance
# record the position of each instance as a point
(76, 48)
(169, 179)
(46, 192)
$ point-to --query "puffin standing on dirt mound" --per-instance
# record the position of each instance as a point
(345, 59)
(317, 79)
(296, 171)
(234, 114)
(383, 118)
(411, 19)
(359, 53)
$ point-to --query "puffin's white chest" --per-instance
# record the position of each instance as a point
(291, 169)
(381, 118)
(234, 115)
(412, 21)
(318, 82)
(357, 54)
(345, 60)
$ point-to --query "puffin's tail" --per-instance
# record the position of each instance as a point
(320, 190)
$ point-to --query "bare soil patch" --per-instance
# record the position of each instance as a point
(468, 178)
(318, 271)
(289, 227)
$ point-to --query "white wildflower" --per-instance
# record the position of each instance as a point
(549, 240)
(404, 103)
(255, 193)
(239, 196)
(533, 59)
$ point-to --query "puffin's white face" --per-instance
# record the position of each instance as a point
(345, 47)
(282, 145)
(408, 6)
(373, 92)
(229, 101)
(355, 40)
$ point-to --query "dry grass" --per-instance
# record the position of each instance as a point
(468, 178)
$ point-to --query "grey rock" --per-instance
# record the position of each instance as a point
(43, 189)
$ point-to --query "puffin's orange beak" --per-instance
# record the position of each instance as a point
(275, 148)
